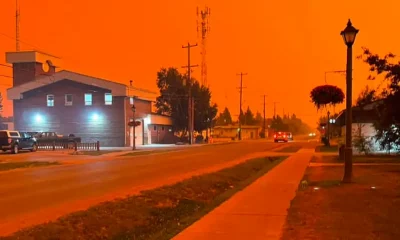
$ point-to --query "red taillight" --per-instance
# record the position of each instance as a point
(274, 135)
(9, 140)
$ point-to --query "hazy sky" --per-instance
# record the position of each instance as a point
(284, 46)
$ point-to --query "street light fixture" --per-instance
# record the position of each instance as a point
(134, 127)
(349, 36)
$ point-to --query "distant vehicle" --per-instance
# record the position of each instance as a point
(283, 137)
(54, 137)
(312, 134)
(15, 141)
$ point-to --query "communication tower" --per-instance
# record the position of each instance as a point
(203, 29)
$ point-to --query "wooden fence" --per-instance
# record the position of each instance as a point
(54, 146)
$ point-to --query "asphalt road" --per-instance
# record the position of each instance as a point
(32, 196)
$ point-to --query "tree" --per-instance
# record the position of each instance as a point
(366, 96)
(388, 125)
(224, 118)
(1, 103)
(173, 100)
(259, 120)
(249, 117)
(278, 124)
(1, 108)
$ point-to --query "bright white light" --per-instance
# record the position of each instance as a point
(316, 188)
(95, 116)
(147, 120)
(373, 187)
(310, 134)
(38, 118)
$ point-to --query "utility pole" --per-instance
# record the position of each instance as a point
(275, 109)
(240, 103)
(265, 122)
(190, 98)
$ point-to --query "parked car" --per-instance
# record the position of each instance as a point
(54, 137)
(15, 141)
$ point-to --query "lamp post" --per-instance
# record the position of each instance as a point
(328, 127)
(134, 127)
(349, 36)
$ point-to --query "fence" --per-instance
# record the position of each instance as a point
(54, 146)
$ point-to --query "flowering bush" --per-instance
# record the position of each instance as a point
(326, 95)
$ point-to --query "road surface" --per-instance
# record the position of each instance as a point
(36, 195)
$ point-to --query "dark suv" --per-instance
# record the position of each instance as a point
(15, 141)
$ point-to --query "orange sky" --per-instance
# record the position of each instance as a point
(285, 46)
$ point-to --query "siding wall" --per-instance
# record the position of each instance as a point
(99, 122)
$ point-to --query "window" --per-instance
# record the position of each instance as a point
(68, 99)
(50, 100)
(88, 99)
(131, 100)
(155, 127)
(162, 128)
(108, 98)
(14, 134)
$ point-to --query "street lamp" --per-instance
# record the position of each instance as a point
(349, 36)
(134, 127)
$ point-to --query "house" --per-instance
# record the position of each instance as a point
(231, 131)
(364, 118)
(72, 103)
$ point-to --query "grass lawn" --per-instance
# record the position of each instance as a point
(323, 148)
(289, 149)
(366, 209)
(95, 153)
(14, 165)
(154, 214)
(144, 152)
(359, 159)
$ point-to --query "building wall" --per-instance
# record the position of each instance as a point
(143, 109)
(369, 132)
(247, 133)
(99, 122)
(161, 134)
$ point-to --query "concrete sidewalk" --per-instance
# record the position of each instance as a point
(257, 212)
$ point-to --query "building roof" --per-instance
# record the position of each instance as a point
(117, 89)
(361, 114)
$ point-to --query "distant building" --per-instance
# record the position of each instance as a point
(231, 131)
(71, 103)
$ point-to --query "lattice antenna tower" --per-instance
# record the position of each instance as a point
(203, 29)
(17, 18)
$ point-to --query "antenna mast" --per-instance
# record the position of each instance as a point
(203, 26)
(17, 17)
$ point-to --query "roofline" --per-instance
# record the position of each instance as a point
(38, 51)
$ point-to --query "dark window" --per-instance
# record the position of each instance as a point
(13, 134)
(68, 99)
(155, 127)
(162, 128)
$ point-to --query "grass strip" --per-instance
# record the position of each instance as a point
(14, 165)
(94, 153)
(289, 149)
(154, 214)
(145, 152)
(323, 148)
